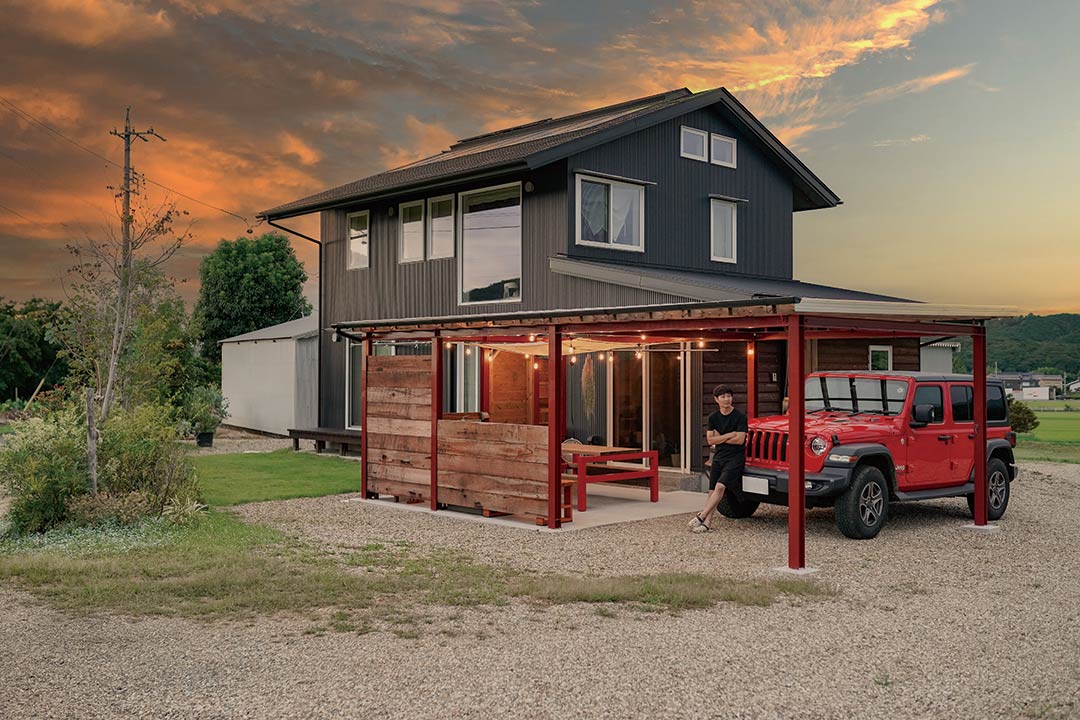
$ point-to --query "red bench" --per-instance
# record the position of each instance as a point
(582, 456)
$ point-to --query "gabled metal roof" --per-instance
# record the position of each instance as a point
(540, 143)
(291, 330)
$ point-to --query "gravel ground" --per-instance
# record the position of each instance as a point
(235, 440)
(931, 621)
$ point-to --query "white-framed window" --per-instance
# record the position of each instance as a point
(610, 214)
(489, 244)
(440, 229)
(411, 231)
(722, 150)
(694, 144)
(359, 246)
(881, 357)
(723, 219)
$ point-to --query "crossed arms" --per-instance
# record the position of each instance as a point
(732, 438)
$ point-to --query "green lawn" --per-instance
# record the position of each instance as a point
(250, 477)
(1052, 404)
(1057, 438)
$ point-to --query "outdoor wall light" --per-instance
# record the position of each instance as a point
(390, 211)
(528, 186)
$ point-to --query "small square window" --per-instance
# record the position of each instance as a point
(881, 357)
(358, 240)
(723, 232)
(693, 144)
(411, 220)
(722, 150)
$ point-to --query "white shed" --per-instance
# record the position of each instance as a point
(937, 356)
(271, 377)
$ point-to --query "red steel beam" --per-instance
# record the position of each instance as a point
(556, 409)
(751, 380)
(687, 325)
(817, 322)
(796, 439)
(979, 371)
(436, 412)
(365, 353)
(485, 380)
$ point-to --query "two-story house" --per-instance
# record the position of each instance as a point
(672, 198)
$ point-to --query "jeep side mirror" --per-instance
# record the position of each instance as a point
(922, 415)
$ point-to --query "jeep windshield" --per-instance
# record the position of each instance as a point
(855, 395)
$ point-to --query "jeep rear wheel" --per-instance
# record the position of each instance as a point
(733, 506)
(997, 490)
(863, 508)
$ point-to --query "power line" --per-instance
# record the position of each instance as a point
(15, 212)
(12, 107)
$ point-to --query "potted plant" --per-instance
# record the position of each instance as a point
(204, 411)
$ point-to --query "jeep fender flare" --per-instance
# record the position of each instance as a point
(865, 453)
(999, 448)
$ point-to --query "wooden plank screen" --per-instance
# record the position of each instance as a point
(399, 425)
(500, 467)
(509, 389)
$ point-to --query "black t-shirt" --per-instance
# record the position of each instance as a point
(734, 421)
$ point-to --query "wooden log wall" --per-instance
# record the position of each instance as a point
(855, 354)
(500, 467)
(399, 425)
(727, 366)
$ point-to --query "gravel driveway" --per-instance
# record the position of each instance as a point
(931, 621)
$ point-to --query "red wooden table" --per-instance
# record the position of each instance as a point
(581, 456)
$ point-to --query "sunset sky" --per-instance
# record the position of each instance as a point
(950, 129)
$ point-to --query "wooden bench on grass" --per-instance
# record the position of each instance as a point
(321, 436)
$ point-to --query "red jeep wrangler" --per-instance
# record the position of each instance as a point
(874, 438)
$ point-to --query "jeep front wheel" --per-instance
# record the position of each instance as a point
(863, 508)
(997, 490)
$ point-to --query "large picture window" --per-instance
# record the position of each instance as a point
(723, 234)
(411, 216)
(440, 227)
(358, 240)
(490, 252)
(610, 214)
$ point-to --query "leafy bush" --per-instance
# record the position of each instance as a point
(1021, 417)
(43, 466)
(142, 470)
(204, 410)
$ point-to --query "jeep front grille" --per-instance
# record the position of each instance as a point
(766, 446)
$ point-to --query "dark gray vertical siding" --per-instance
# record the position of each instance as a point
(677, 207)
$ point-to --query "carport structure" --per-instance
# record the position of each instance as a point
(412, 448)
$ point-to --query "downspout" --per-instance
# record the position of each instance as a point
(319, 382)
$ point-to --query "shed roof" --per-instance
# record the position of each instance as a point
(539, 143)
(291, 330)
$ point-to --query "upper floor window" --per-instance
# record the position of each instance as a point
(411, 221)
(358, 239)
(489, 263)
(722, 150)
(723, 232)
(610, 214)
(881, 357)
(440, 227)
(693, 144)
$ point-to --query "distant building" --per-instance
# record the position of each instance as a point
(271, 376)
(1032, 386)
(937, 356)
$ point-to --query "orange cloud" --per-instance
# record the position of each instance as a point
(920, 84)
(292, 145)
(91, 23)
(422, 140)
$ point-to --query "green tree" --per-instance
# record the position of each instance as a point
(1021, 418)
(28, 350)
(248, 284)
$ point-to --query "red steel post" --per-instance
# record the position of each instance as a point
(751, 379)
(485, 378)
(436, 413)
(556, 409)
(796, 440)
(979, 365)
(365, 353)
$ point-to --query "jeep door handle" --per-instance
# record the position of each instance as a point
(944, 438)
(971, 436)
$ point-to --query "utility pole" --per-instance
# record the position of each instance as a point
(123, 295)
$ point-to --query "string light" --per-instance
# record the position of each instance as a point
(601, 358)
(642, 336)
(532, 338)
(490, 355)
(700, 343)
(638, 354)
(749, 349)
(573, 359)
(611, 356)
(468, 351)
(536, 366)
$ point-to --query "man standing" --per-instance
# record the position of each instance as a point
(727, 434)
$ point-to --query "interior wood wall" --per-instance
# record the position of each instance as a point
(500, 467)
(509, 389)
(399, 425)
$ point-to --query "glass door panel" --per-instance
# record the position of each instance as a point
(626, 397)
(665, 407)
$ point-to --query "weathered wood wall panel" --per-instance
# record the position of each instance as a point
(500, 467)
(509, 389)
(399, 425)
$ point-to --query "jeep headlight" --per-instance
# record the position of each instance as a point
(819, 445)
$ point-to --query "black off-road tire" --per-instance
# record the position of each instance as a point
(733, 506)
(861, 511)
(998, 489)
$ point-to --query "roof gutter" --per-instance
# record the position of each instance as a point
(319, 244)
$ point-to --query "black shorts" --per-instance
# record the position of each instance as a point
(728, 472)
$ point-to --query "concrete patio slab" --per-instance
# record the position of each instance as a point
(609, 504)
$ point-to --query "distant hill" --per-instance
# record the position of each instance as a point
(1024, 344)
